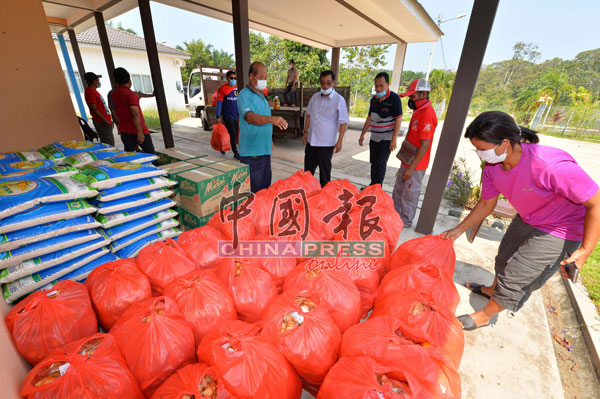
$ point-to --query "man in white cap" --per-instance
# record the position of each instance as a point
(415, 150)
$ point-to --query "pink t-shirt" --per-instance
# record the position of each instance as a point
(547, 188)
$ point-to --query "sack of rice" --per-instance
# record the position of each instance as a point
(59, 151)
(138, 157)
(57, 317)
(15, 290)
(108, 176)
(135, 187)
(23, 166)
(132, 202)
(16, 239)
(85, 158)
(34, 265)
(134, 249)
(20, 195)
(126, 229)
(10, 157)
(138, 235)
(33, 174)
(115, 219)
(46, 213)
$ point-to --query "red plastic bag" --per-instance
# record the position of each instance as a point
(155, 340)
(431, 249)
(251, 287)
(90, 368)
(47, 320)
(425, 322)
(336, 289)
(383, 207)
(194, 380)
(304, 332)
(163, 262)
(114, 286)
(383, 339)
(201, 245)
(335, 194)
(250, 367)
(220, 140)
(260, 210)
(226, 328)
(425, 279)
(213, 100)
(277, 266)
(300, 179)
(202, 300)
(364, 378)
(245, 225)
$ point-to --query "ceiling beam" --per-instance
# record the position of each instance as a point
(57, 21)
(371, 21)
(66, 3)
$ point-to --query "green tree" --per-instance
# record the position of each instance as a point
(121, 27)
(203, 54)
(585, 106)
(521, 52)
(442, 83)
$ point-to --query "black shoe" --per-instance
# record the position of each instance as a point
(223, 152)
(236, 156)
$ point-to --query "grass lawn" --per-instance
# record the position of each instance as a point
(152, 121)
(592, 138)
(591, 276)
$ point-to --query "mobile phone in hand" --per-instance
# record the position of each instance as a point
(572, 272)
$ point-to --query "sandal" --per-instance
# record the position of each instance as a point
(468, 323)
(476, 288)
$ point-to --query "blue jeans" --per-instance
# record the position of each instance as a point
(260, 171)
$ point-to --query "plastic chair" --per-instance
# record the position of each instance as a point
(89, 133)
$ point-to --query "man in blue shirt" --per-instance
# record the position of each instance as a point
(227, 110)
(256, 128)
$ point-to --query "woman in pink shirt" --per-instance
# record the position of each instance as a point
(558, 204)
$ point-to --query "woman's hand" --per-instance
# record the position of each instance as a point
(579, 256)
(451, 234)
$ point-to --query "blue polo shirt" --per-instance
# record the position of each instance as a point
(254, 140)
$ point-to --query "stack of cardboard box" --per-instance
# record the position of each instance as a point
(205, 184)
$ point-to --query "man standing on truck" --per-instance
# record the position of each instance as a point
(384, 119)
(100, 114)
(256, 128)
(291, 85)
(227, 110)
(325, 113)
(132, 127)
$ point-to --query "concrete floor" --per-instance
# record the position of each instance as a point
(513, 358)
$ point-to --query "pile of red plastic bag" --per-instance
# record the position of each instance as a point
(185, 321)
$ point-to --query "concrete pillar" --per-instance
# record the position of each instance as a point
(241, 38)
(77, 55)
(398, 67)
(108, 58)
(335, 61)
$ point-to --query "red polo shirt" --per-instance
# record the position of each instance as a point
(123, 97)
(422, 126)
(93, 97)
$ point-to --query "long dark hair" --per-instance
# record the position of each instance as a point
(495, 126)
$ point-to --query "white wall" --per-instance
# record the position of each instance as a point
(136, 62)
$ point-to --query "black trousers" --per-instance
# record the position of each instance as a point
(289, 95)
(232, 127)
(130, 142)
(321, 157)
(379, 153)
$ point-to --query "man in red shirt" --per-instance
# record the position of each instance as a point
(415, 150)
(100, 114)
(132, 127)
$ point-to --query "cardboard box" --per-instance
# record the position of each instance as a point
(201, 190)
(205, 161)
(173, 170)
(170, 155)
(234, 172)
(190, 220)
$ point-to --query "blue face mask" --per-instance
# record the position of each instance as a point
(99, 84)
(232, 82)
(381, 94)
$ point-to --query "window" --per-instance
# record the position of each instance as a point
(142, 83)
(77, 78)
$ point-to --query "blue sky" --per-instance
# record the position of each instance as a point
(560, 28)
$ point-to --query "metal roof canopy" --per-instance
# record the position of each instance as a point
(318, 23)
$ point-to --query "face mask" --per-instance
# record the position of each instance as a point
(99, 84)
(326, 91)
(490, 155)
(232, 82)
(291, 66)
(381, 94)
(261, 84)
(411, 104)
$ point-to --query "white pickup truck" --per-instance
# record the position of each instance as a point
(202, 84)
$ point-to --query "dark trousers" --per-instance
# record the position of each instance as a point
(130, 142)
(289, 94)
(379, 153)
(321, 157)
(260, 171)
(105, 133)
(232, 127)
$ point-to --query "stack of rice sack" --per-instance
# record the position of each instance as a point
(46, 231)
(133, 204)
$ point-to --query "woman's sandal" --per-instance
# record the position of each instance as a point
(476, 288)
(468, 323)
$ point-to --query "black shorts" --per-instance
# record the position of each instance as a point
(130, 142)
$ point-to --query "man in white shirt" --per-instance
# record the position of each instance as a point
(326, 113)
